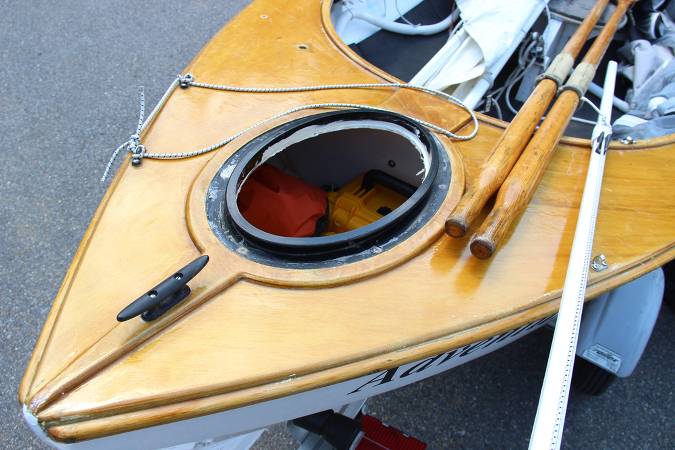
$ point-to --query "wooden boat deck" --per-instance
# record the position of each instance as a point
(250, 332)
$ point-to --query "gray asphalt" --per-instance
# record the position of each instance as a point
(69, 73)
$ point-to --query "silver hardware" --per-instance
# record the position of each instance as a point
(185, 80)
(599, 263)
(628, 140)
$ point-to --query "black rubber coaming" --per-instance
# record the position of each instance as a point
(230, 236)
(323, 246)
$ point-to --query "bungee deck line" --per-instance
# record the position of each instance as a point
(138, 151)
(550, 418)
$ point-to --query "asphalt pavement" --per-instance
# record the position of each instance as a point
(69, 72)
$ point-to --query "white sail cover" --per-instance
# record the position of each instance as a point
(489, 33)
(497, 26)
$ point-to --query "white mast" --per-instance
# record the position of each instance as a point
(550, 418)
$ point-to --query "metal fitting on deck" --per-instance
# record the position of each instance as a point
(185, 80)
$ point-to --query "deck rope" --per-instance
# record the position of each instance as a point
(138, 151)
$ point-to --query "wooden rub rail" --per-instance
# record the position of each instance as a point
(518, 188)
(508, 148)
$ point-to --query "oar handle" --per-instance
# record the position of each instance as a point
(505, 153)
(495, 169)
(519, 187)
(521, 183)
(497, 166)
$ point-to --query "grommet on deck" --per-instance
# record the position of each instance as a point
(599, 263)
(136, 149)
(185, 80)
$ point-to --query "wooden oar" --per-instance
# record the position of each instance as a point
(518, 188)
(516, 136)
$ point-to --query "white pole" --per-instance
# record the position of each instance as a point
(550, 418)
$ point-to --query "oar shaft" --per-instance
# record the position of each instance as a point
(578, 39)
(496, 167)
(550, 418)
(508, 148)
(519, 186)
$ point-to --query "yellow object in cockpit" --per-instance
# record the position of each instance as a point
(364, 200)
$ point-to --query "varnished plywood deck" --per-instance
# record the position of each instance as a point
(253, 340)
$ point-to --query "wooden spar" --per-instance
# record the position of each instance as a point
(516, 136)
(518, 188)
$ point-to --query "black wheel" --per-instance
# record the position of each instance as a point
(589, 378)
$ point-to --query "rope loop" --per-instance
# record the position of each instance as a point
(133, 144)
(138, 151)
